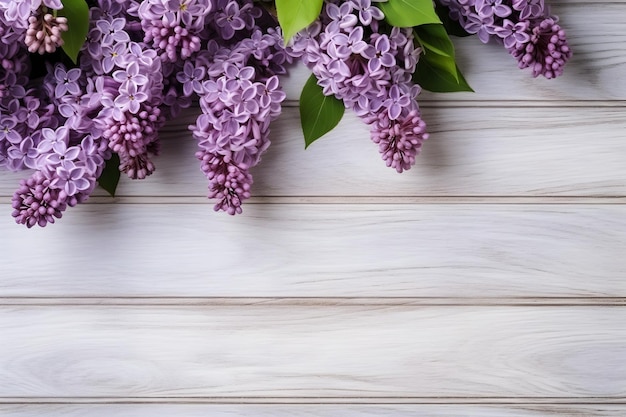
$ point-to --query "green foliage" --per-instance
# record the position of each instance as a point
(295, 15)
(319, 114)
(409, 13)
(437, 70)
(434, 38)
(110, 175)
(430, 76)
(77, 14)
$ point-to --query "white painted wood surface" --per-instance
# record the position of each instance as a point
(313, 352)
(194, 410)
(490, 280)
(323, 250)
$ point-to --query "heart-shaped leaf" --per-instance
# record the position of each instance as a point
(319, 114)
(295, 15)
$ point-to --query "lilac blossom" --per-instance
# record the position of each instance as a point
(66, 81)
(37, 203)
(525, 27)
(70, 180)
(370, 70)
(112, 32)
(191, 78)
(145, 60)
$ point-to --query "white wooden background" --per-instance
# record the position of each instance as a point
(490, 280)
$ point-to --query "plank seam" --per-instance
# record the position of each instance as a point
(313, 301)
(517, 401)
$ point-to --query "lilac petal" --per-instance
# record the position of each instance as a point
(388, 60)
(394, 111)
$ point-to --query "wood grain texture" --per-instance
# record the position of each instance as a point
(194, 410)
(155, 306)
(313, 352)
(596, 31)
(297, 250)
(472, 152)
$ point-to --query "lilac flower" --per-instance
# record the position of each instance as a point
(66, 81)
(488, 8)
(130, 98)
(342, 46)
(73, 113)
(529, 9)
(12, 86)
(367, 12)
(186, 12)
(396, 102)
(130, 75)
(513, 34)
(70, 179)
(305, 44)
(7, 129)
(61, 154)
(238, 77)
(18, 11)
(138, 54)
(191, 78)
(51, 137)
(22, 155)
(113, 32)
(113, 55)
(106, 10)
(228, 18)
(380, 54)
(91, 155)
(482, 26)
(270, 95)
(342, 16)
(32, 105)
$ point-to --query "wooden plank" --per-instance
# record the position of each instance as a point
(413, 250)
(472, 152)
(313, 352)
(596, 32)
(195, 410)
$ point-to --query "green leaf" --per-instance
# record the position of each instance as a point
(434, 37)
(295, 15)
(77, 14)
(452, 26)
(319, 114)
(431, 76)
(409, 13)
(110, 175)
(434, 40)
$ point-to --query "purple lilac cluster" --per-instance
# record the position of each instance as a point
(127, 82)
(142, 61)
(360, 60)
(33, 134)
(67, 129)
(219, 52)
(526, 28)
